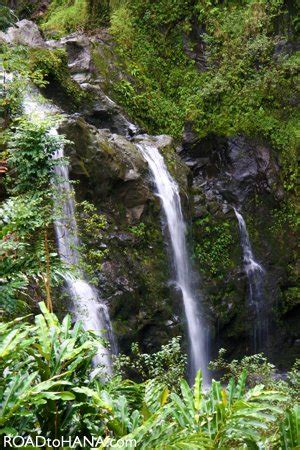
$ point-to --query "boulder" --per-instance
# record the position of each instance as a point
(243, 172)
(250, 167)
(25, 32)
(134, 278)
(107, 162)
(103, 112)
(78, 49)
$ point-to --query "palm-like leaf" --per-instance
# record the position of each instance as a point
(290, 429)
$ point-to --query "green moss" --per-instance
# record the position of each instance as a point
(283, 217)
(52, 65)
(214, 243)
(106, 64)
(290, 299)
(101, 66)
(65, 17)
(176, 167)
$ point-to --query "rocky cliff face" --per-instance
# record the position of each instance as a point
(134, 272)
(243, 172)
(126, 253)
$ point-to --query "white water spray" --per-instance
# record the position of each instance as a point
(87, 306)
(255, 274)
(168, 192)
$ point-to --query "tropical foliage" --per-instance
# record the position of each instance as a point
(235, 79)
(216, 64)
(27, 252)
(65, 17)
(168, 365)
(49, 388)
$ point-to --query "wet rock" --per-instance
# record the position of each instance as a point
(235, 168)
(285, 48)
(105, 113)
(78, 50)
(244, 172)
(248, 168)
(111, 173)
(133, 215)
(107, 162)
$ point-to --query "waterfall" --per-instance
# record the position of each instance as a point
(86, 304)
(168, 192)
(255, 274)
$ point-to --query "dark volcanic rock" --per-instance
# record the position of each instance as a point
(108, 162)
(242, 172)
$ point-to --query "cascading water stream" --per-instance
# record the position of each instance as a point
(168, 192)
(86, 304)
(255, 274)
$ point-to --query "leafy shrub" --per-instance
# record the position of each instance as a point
(166, 366)
(31, 149)
(257, 367)
(41, 366)
(139, 230)
(92, 226)
(215, 244)
(293, 379)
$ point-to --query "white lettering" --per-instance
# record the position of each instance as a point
(29, 441)
(7, 440)
(87, 441)
(63, 442)
(99, 442)
(40, 441)
(66, 442)
(15, 441)
(77, 441)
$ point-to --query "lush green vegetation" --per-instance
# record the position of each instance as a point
(53, 67)
(213, 251)
(29, 263)
(67, 16)
(41, 67)
(216, 65)
(28, 255)
(7, 17)
(47, 388)
(235, 81)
